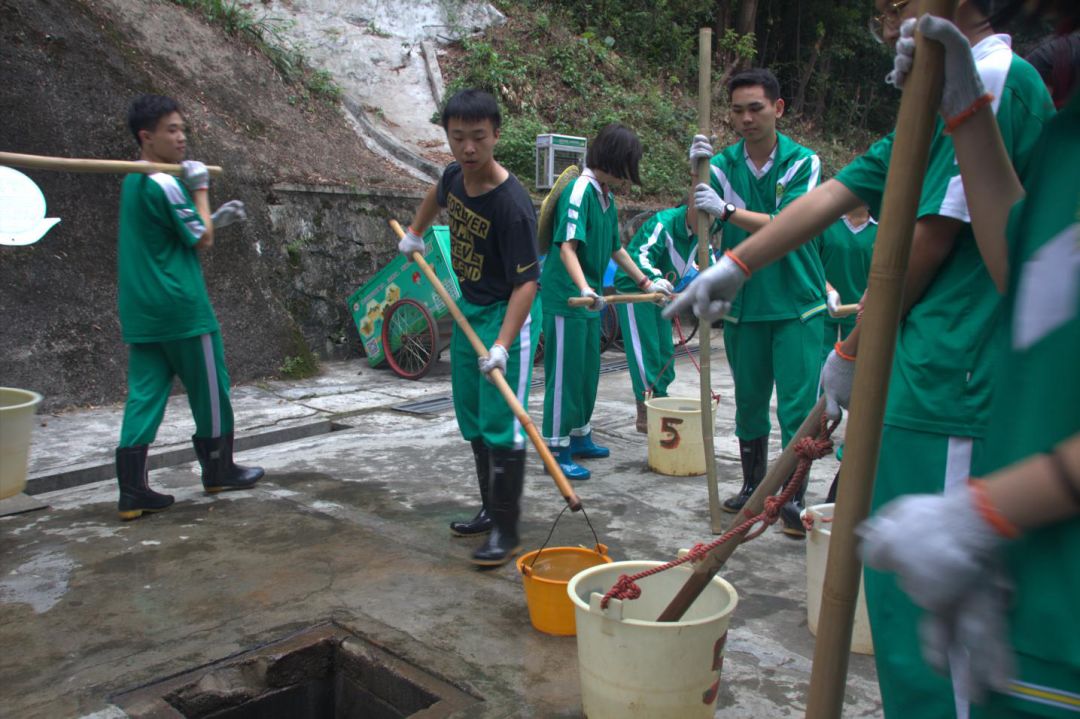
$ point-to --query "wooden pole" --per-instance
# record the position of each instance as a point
(779, 471)
(881, 316)
(498, 379)
(708, 426)
(619, 299)
(845, 311)
(70, 164)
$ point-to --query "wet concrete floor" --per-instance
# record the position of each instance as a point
(351, 525)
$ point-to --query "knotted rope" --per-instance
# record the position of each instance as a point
(808, 449)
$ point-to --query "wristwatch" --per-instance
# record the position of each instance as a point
(729, 210)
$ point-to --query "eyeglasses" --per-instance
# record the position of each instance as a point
(890, 18)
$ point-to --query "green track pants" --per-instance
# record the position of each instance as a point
(650, 351)
(784, 352)
(199, 362)
(911, 462)
(572, 373)
(482, 412)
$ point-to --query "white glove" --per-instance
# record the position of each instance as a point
(598, 302)
(411, 243)
(711, 293)
(832, 302)
(194, 175)
(706, 200)
(945, 557)
(496, 359)
(663, 287)
(230, 212)
(963, 86)
(700, 148)
(975, 629)
(836, 377)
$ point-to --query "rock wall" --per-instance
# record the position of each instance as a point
(317, 199)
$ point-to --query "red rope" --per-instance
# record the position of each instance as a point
(808, 449)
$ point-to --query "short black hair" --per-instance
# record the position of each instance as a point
(616, 151)
(146, 110)
(755, 77)
(472, 105)
(1067, 12)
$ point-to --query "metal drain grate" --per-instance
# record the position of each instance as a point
(437, 405)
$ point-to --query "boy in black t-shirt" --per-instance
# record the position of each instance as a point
(495, 257)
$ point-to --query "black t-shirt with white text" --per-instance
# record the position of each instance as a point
(492, 237)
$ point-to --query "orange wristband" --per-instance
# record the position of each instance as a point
(840, 353)
(957, 120)
(742, 265)
(990, 513)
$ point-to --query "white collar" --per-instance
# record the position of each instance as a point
(766, 167)
(605, 198)
(856, 229)
(988, 45)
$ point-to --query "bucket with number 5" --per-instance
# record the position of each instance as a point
(676, 447)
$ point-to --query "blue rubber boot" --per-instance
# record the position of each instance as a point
(585, 448)
(570, 468)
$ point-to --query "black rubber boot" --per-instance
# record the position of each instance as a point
(790, 514)
(136, 496)
(219, 472)
(754, 455)
(832, 488)
(482, 522)
(507, 480)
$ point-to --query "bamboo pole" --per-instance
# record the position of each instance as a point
(881, 316)
(845, 311)
(619, 299)
(70, 164)
(780, 469)
(498, 379)
(705, 339)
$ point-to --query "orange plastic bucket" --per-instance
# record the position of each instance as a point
(545, 580)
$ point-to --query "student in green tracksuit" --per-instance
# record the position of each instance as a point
(585, 238)
(495, 258)
(846, 249)
(939, 393)
(994, 564)
(165, 314)
(773, 329)
(664, 248)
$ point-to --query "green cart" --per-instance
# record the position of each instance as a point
(402, 321)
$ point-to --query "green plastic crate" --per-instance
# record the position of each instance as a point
(401, 279)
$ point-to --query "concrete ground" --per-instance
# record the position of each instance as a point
(350, 525)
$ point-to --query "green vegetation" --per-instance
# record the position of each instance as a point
(265, 34)
(299, 366)
(572, 66)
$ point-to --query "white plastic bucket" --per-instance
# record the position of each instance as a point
(17, 407)
(675, 441)
(817, 556)
(633, 666)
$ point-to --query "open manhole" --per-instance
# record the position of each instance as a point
(326, 672)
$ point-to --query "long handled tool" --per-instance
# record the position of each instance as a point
(498, 379)
(705, 342)
(907, 166)
(845, 311)
(619, 299)
(779, 471)
(69, 164)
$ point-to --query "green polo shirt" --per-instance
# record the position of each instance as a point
(586, 214)
(661, 248)
(794, 286)
(945, 352)
(162, 294)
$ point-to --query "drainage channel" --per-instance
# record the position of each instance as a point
(435, 405)
(97, 472)
(325, 671)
